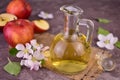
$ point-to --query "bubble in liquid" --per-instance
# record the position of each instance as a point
(108, 64)
(60, 48)
(74, 37)
(79, 48)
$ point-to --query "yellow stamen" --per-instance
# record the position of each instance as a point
(107, 41)
(25, 51)
(33, 59)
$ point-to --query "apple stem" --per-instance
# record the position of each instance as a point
(19, 23)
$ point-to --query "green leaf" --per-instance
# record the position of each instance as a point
(117, 44)
(103, 31)
(42, 61)
(102, 20)
(13, 68)
(13, 51)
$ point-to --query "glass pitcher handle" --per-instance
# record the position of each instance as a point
(90, 27)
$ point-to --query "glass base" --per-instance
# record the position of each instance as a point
(69, 66)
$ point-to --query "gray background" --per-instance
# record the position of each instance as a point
(109, 9)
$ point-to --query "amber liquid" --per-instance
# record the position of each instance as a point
(70, 56)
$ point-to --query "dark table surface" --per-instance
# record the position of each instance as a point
(109, 9)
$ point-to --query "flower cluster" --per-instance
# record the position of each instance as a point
(31, 54)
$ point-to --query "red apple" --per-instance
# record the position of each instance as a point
(6, 17)
(20, 8)
(41, 25)
(18, 31)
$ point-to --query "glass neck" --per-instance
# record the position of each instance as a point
(70, 23)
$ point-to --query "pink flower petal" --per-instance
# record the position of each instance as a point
(20, 54)
(109, 36)
(29, 63)
(38, 55)
(101, 44)
(27, 56)
(32, 67)
(41, 45)
(36, 67)
(20, 47)
(109, 46)
(113, 40)
(101, 37)
(22, 62)
(33, 42)
(30, 51)
(28, 46)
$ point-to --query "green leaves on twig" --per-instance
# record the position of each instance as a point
(106, 32)
(117, 44)
(12, 68)
(102, 31)
(103, 20)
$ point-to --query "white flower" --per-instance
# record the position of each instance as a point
(107, 41)
(38, 55)
(32, 64)
(36, 45)
(24, 52)
(45, 15)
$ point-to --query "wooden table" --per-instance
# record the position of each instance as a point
(92, 9)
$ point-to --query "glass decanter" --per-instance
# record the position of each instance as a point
(70, 50)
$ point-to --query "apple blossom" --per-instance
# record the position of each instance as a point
(32, 64)
(45, 15)
(24, 51)
(35, 45)
(32, 54)
(38, 55)
(107, 41)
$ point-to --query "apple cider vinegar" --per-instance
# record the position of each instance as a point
(70, 50)
(68, 55)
